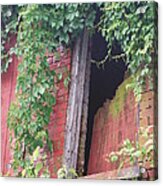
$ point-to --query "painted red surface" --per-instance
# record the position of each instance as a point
(58, 116)
(8, 83)
(109, 132)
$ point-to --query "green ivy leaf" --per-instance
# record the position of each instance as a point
(66, 82)
(38, 167)
(41, 90)
(36, 153)
(114, 158)
(137, 153)
(59, 76)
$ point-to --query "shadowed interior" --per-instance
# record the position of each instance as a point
(103, 83)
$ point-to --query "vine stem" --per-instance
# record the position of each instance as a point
(108, 57)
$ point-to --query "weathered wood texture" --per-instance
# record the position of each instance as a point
(83, 131)
(75, 104)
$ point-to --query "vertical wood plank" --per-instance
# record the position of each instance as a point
(75, 103)
(83, 131)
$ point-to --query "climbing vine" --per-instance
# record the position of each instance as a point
(60, 24)
(9, 23)
(41, 28)
(134, 26)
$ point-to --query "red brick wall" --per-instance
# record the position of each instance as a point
(115, 121)
(58, 117)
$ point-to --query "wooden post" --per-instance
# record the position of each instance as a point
(83, 130)
(75, 103)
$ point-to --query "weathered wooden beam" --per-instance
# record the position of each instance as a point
(83, 130)
(75, 103)
(70, 129)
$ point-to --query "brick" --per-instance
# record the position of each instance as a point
(62, 99)
(58, 153)
(60, 128)
(58, 136)
(62, 92)
(61, 122)
(63, 106)
(61, 114)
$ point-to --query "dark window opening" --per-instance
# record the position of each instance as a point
(103, 82)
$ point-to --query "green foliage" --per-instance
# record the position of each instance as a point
(35, 165)
(64, 173)
(42, 28)
(134, 26)
(141, 152)
(113, 158)
(9, 23)
(57, 24)
(35, 95)
(117, 104)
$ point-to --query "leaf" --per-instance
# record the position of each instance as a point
(114, 158)
(19, 129)
(150, 148)
(66, 82)
(66, 38)
(73, 172)
(41, 90)
(36, 153)
(53, 24)
(24, 173)
(137, 153)
(62, 172)
(144, 151)
(8, 13)
(38, 167)
(50, 146)
(127, 142)
(141, 10)
(59, 76)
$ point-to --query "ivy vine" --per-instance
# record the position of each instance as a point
(9, 23)
(41, 28)
(134, 26)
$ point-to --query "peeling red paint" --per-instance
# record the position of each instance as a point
(58, 116)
